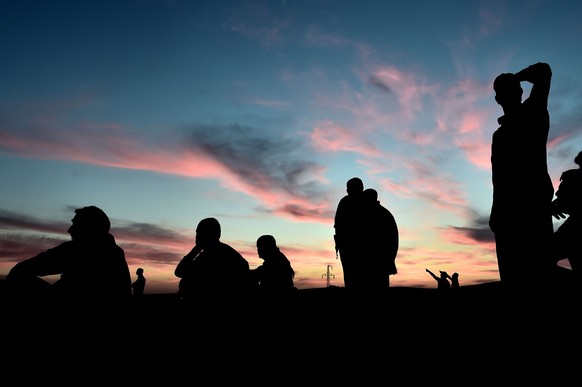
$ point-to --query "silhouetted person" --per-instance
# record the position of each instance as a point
(348, 231)
(568, 205)
(91, 265)
(275, 276)
(521, 212)
(454, 280)
(138, 285)
(380, 244)
(212, 271)
(442, 281)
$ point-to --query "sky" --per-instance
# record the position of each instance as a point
(165, 112)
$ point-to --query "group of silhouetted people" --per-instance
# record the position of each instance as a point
(94, 272)
(92, 268)
(213, 270)
(444, 278)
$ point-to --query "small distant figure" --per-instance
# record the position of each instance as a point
(91, 265)
(454, 280)
(442, 281)
(212, 270)
(275, 276)
(138, 285)
(568, 205)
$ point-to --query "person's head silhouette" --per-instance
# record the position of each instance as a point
(508, 91)
(354, 186)
(89, 222)
(371, 195)
(578, 159)
(207, 232)
(266, 245)
(139, 271)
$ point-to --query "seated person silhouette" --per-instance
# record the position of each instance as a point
(213, 272)
(275, 275)
(92, 267)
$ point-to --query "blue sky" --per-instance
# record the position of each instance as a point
(163, 113)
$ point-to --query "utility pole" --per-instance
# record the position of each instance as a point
(328, 275)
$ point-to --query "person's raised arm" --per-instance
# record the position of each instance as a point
(432, 274)
(540, 76)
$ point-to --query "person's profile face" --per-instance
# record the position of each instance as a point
(200, 239)
(260, 251)
(75, 230)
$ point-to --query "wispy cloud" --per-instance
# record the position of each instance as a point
(272, 169)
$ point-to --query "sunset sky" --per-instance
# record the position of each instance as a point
(165, 112)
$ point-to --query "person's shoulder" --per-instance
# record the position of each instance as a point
(225, 247)
(571, 174)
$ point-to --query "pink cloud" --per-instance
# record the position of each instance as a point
(330, 136)
(111, 148)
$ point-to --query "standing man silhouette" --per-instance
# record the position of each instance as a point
(521, 212)
(380, 246)
(138, 285)
(348, 228)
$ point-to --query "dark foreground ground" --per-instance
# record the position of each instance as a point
(334, 310)
(477, 334)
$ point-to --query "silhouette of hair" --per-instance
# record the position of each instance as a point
(507, 88)
(371, 194)
(505, 81)
(139, 271)
(93, 218)
(578, 159)
(210, 227)
(355, 184)
(267, 241)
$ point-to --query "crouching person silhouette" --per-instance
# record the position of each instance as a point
(92, 267)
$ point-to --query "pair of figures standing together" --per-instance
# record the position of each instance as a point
(366, 238)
